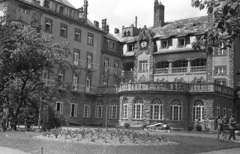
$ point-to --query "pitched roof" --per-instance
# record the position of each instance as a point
(66, 3)
(183, 27)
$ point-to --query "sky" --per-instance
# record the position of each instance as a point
(122, 12)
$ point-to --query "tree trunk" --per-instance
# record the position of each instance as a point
(40, 113)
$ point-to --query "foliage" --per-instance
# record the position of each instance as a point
(190, 128)
(25, 54)
(225, 27)
(199, 128)
(144, 126)
(126, 125)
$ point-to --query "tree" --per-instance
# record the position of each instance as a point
(25, 54)
(225, 26)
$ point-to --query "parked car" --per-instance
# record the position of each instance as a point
(157, 127)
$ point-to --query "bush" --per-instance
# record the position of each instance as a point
(199, 128)
(144, 126)
(190, 128)
(126, 125)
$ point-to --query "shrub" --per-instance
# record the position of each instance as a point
(144, 126)
(190, 128)
(199, 128)
(126, 125)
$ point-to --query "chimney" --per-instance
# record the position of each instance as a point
(104, 25)
(116, 30)
(136, 21)
(85, 9)
(107, 29)
(159, 10)
(96, 23)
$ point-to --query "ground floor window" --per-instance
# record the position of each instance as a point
(156, 110)
(113, 108)
(73, 110)
(138, 109)
(176, 110)
(125, 111)
(198, 111)
(86, 111)
(99, 110)
(59, 106)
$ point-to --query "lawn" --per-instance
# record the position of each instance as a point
(24, 141)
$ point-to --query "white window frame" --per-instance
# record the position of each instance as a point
(90, 39)
(99, 111)
(61, 75)
(77, 35)
(89, 61)
(116, 67)
(86, 111)
(88, 83)
(176, 107)
(63, 30)
(113, 111)
(125, 111)
(138, 110)
(73, 106)
(143, 65)
(106, 64)
(76, 57)
(61, 107)
(48, 25)
(198, 111)
(75, 80)
(156, 110)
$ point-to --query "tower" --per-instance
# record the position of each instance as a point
(159, 10)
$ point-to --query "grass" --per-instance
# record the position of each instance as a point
(186, 144)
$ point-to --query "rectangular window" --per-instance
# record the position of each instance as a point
(220, 70)
(176, 112)
(181, 42)
(59, 107)
(70, 14)
(106, 64)
(99, 111)
(61, 10)
(46, 4)
(48, 25)
(201, 62)
(113, 111)
(138, 111)
(75, 80)
(76, 57)
(198, 113)
(90, 40)
(143, 65)
(156, 112)
(125, 111)
(73, 110)
(86, 111)
(130, 47)
(63, 30)
(164, 44)
(116, 67)
(77, 35)
(88, 83)
(89, 60)
(61, 75)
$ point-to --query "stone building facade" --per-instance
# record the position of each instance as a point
(139, 75)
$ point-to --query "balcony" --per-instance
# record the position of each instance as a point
(108, 90)
(179, 69)
(178, 87)
(198, 69)
(161, 71)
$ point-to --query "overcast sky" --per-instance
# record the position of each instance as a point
(122, 12)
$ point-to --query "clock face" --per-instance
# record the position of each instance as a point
(144, 44)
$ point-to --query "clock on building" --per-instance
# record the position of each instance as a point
(144, 44)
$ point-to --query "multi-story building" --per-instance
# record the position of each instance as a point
(139, 75)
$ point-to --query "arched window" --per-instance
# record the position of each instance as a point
(125, 108)
(156, 110)
(113, 110)
(138, 109)
(198, 111)
(176, 110)
(129, 33)
(59, 106)
(73, 108)
(86, 109)
(99, 110)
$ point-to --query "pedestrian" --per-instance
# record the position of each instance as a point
(219, 125)
(232, 125)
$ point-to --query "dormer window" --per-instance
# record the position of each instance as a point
(129, 33)
(46, 4)
(61, 9)
(164, 43)
(181, 42)
(130, 47)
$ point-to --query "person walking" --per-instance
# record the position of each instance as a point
(232, 124)
(219, 125)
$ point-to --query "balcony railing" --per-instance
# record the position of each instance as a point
(108, 90)
(179, 69)
(161, 70)
(199, 69)
(180, 87)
